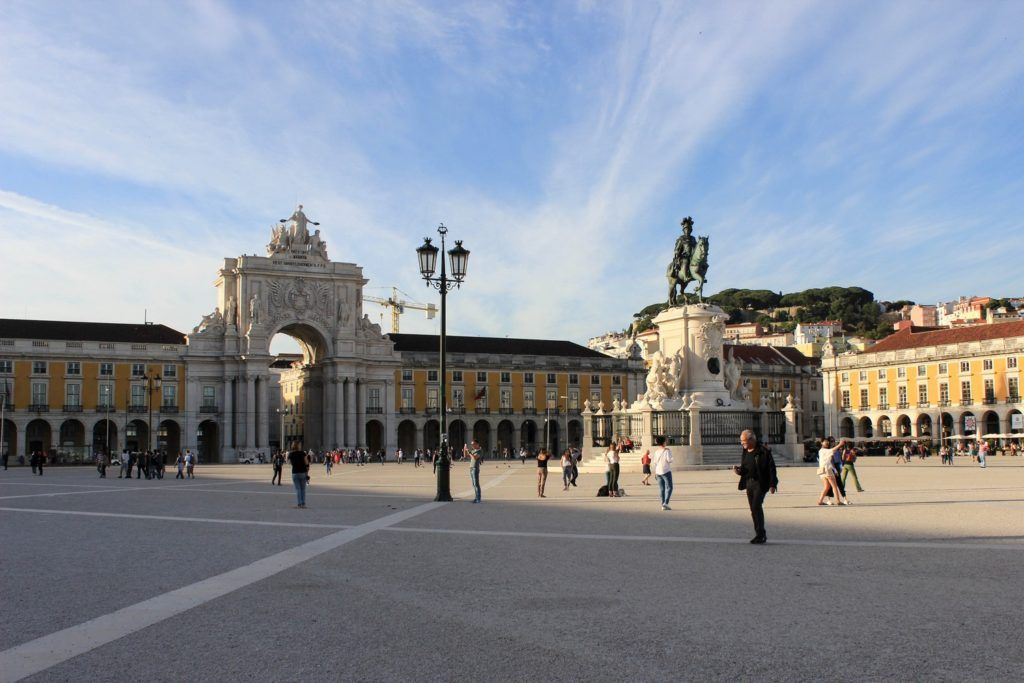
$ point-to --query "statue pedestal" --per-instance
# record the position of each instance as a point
(695, 332)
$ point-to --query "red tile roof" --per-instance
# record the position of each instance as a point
(768, 355)
(917, 337)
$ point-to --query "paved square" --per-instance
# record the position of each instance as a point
(222, 578)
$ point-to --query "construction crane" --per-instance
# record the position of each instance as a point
(398, 307)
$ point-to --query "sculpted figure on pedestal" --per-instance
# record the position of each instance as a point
(689, 263)
(254, 309)
(230, 310)
(212, 322)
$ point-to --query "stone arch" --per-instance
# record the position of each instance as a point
(506, 430)
(965, 423)
(71, 442)
(312, 338)
(551, 436)
(456, 436)
(432, 435)
(208, 441)
(884, 426)
(10, 442)
(528, 435)
(168, 437)
(903, 426)
(989, 423)
(407, 437)
(38, 436)
(482, 435)
(104, 436)
(136, 435)
(947, 425)
(575, 434)
(846, 428)
(374, 436)
(924, 425)
(1009, 422)
(864, 427)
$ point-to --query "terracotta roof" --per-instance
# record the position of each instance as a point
(917, 337)
(12, 328)
(769, 355)
(494, 345)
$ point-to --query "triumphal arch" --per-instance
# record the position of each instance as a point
(347, 367)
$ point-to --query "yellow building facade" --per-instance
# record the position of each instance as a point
(73, 389)
(966, 379)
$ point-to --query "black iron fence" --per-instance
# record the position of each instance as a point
(630, 426)
(601, 430)
(674, 425)
(775, 426)
(723, 427)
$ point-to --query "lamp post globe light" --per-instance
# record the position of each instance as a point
(459, 260)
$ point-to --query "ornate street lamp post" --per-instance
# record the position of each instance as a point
(459, 256)
(152, 383)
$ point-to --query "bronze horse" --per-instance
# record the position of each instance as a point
(682, 274)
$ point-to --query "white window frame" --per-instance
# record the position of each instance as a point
(73, 394)
(73, 368)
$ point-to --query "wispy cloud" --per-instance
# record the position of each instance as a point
(562, 143)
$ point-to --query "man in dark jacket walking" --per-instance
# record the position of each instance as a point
(757, 477)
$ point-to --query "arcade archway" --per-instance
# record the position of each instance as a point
(407, 437)
(208, 441)
(104, 436)
(38, 436)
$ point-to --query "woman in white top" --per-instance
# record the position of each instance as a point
(662, 461)
(566, 469)
(827, 473)
(612, 456)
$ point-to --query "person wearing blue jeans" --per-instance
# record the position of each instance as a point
(299, 461)
(662, 461)
(475, 455)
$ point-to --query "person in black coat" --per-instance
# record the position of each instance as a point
(757, 477)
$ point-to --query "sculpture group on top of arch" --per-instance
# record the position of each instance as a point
(292, 235)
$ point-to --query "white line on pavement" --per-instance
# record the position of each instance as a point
(927, 545)
(167, 518)
(42, 653)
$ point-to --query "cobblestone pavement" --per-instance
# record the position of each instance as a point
(222, 578)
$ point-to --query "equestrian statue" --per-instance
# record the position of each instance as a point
(689, 264)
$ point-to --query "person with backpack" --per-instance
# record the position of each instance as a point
(277, 463)
(190, 463)
(179, 463)
(849, 458)
(662, 470)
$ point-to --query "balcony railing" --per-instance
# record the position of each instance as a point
(431, 410)
(989, 400)
(1010, 400)
(529, 411)
(943, 404)
(407, 410)
(458, 410)
(966, 402)
(902, 405)
(208, 409)
(106, 408)
(39, 407)
(72, 407)
(505, 411)
(169, 409)
(884, 405)
(136, 409)
(923, 404)
(863, 408)
(483, 411)
(374, 410)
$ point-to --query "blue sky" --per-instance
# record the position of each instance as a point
(876, 144)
